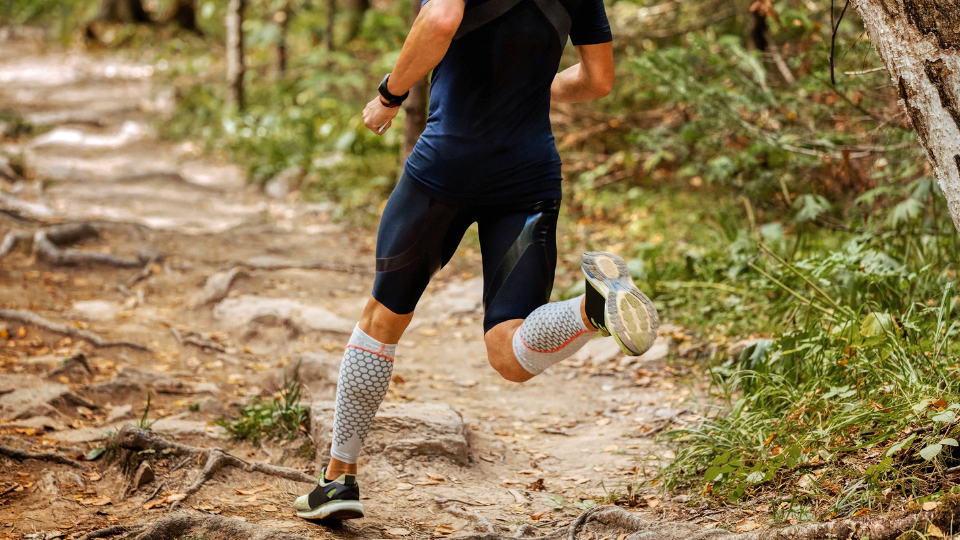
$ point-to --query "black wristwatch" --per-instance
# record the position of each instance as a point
(392, 101)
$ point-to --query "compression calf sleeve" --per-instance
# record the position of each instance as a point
(363, 382)
(553, 332)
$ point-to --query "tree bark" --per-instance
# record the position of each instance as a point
(122, 11)
(415, 107)
(184, 15)
(235, 53)
(331, 18)
(358, 10)
(282, 18)
(919, 42)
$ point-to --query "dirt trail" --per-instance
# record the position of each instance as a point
(302, 283)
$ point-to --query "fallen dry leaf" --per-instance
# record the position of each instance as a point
(99, 501)
(424, 482)
(269, 508)
(930, 505)
(436, 477)
(747, 525)
(176, 497)
(154, 504)
(396, 532)
(934, 531)
(403, 486)
(536, 517)
(443, 530)
(251, 490)
(611, 448)
(653, 503)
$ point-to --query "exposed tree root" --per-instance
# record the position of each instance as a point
(111, 531)
(53, 457)
(50, 244)
(11, 241)
(316, 265)
(482, 523)
(28, 317)
(612, 521)
(212, 528)
(145, 272)
(68, 364)
(47, 244)
(197, 340)
(165, 175)
(132, 438)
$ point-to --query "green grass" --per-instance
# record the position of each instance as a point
(859, 391)
(280, 416)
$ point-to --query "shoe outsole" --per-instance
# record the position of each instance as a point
(338, 510)
(628, 315)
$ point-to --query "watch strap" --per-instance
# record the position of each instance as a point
(391, 100)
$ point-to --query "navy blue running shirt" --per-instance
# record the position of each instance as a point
(488, 138)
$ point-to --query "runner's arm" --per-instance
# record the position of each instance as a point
(591, 79)
(424, 48)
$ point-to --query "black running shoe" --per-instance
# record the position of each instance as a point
(615, 306)
(334, 499)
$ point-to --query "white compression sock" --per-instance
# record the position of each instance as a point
(363, 382)
(553, 332)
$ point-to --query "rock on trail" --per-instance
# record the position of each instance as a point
(401, 432)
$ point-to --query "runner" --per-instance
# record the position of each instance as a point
(488, 157)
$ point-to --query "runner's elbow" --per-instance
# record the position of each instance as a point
(603, 86)
(444, 22)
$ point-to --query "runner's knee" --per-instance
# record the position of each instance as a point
(382, 324)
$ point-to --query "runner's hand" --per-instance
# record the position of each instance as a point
(377, 117)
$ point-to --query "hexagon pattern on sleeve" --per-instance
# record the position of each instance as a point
(552, 333)
(363, 382)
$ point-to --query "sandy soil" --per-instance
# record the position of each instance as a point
(582, 431)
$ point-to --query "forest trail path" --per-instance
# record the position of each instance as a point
(584, 428)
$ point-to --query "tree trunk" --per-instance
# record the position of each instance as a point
(282, 18)
(235, 52)
(331, 18)
(184, 15)
(358, 10)
(122, 11)
(415, 107)
(919, 42)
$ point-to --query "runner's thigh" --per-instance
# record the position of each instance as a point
(417, 237)
(519, 248)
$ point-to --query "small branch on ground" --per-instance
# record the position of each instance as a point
(28, 317)
(136, 439)
(53, 457)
